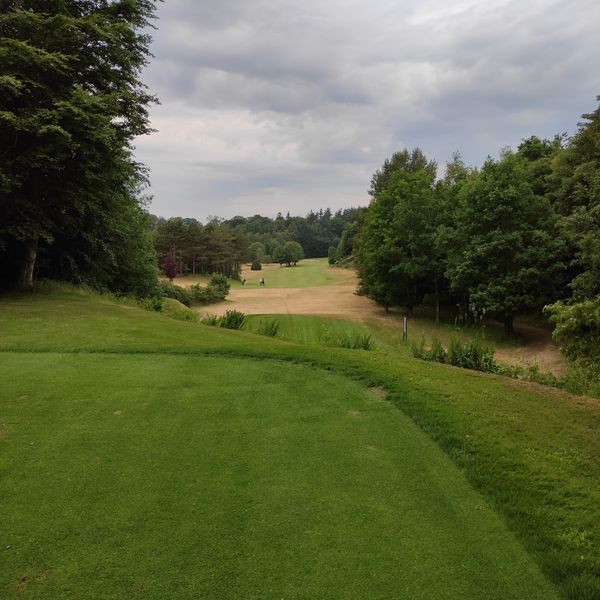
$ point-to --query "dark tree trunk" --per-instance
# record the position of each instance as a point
(508, 324)
(437, 302)
(25, 276)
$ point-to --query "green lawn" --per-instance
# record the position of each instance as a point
(203, 477)
(141, 455)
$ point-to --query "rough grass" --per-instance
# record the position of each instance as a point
(533, 453)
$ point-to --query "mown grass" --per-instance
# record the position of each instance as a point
(159, 476)
(532, 452)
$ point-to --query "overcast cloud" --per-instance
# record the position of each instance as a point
(290, 105)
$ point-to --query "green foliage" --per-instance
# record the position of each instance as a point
(577, 328)
(290, 253)
(210, 320)
(154, 303)
(506, 256)
(255, 266)
(576, 190)
(396, 246)
(351, 340)
(170, 290)
(466, 354)
(70, 199)
(200, 248)
(232, 319)
(471, 355)
(268, 328)
(257, 252)
(404, 161)
(219, 282)
(206, 295)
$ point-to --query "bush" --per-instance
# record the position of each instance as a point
(211, 320)
(255, 266)
(471, 355)
(170, 290)
(219, 282)
(267, 259)
(208, 294)
(269, 328)
(577, 328)
(155, 303)
(468, 355)
(232, 319)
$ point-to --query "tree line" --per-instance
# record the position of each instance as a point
(222, 246)
(517, 234)
(71, 206)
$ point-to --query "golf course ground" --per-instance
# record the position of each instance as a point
(146, 457)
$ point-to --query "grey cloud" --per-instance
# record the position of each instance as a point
(291, 105)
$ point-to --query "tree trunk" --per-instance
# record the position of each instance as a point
(193, 266)
(508, 324)
(25, 277)
(437, 302)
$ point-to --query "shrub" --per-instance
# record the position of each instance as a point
(269, 328)
(577, 328)
(255, 266)
(471, 355)
(207, 295)
(267, 259)
(211, 320)
(170, 290)
(219, 282)
(232, 319)
(153, 303)
(468, 355)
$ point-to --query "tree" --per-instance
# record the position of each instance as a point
(506, 253)
(169, 266)
(404, 160)
(72, 103)
(576, 178)
(290, 253)
(395, 246)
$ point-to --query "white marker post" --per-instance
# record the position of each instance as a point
(405, 330)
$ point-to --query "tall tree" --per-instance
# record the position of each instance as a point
(396, 242)
(71, 105)
(576, 178)
(506, 254)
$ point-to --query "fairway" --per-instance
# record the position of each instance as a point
(194, 477)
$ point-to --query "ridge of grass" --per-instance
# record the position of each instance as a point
(534, 453)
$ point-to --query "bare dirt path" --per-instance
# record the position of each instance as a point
(339, 300)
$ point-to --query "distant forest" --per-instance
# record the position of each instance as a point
(224, 245)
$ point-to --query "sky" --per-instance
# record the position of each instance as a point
(291, 105)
